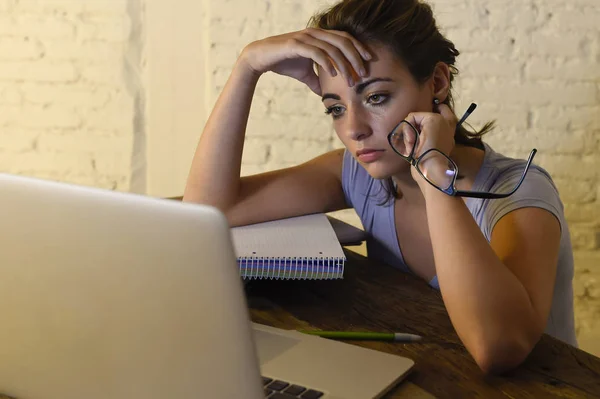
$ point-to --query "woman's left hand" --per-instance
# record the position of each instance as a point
(436, 131)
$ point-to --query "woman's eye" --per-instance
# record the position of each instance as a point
(335, 111)
(377, 99)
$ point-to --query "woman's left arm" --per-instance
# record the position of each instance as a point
(498, 294)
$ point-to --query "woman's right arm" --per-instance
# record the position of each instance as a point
(314, 186)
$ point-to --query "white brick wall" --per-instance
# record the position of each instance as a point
(66, 111)
(534, 66)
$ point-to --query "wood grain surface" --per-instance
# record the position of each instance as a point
(376, 297)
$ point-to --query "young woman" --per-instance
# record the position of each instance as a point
(432, 196)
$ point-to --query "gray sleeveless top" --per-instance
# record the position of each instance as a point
(497, 174)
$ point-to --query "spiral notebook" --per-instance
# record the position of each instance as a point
(304, 247)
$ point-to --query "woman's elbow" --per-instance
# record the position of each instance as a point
(504, 354)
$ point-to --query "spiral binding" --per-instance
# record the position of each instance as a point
(291, 268)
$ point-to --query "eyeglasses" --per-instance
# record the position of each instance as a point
(436, 167)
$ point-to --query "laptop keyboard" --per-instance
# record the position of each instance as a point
(277, 389)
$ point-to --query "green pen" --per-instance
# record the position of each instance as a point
(366, 336)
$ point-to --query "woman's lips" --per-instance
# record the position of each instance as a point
(369, 155)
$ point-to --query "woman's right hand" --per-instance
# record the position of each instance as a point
(293, 54)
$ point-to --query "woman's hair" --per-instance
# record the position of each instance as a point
(409, 30)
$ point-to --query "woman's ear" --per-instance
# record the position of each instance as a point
(441, 81)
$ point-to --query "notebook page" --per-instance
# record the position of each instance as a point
(303, 236)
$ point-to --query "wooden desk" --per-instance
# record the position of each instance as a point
(374, 297)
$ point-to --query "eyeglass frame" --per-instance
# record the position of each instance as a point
(451, 190)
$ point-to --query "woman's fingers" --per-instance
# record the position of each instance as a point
(339, 58)
(436, 129)
(315, 53)
(362, 49)
(342, 45)
(447, 114)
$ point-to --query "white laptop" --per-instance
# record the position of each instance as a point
(107, 295)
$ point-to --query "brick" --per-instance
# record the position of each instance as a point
(255, 151)
(223, 55)
(10, 94)
(287, 151)
(220, 76)
(38, 117)
(560, 117)
(542, 68)
(85, 141)
(561, 44)
(488, 41)
(580, 213)
(18, 140)
(229, 32)
(579, 19)
(539, 93)
(119, 182)
(552, 142)
(293, 14)
(575, 191)
(585, 167)
(572, 94)
(34, 162)
(113, 30)
(506, 115)
(6, 5)
(550, 117)
(278, 83)
(296, 102)
(116, 116)
(460, 36)
(586, 261)
(84, 53)
(238, 11)
(482, 65)
(19, 49)
(585, 238)
(7, 114)
(450, 15)
(73, 7)
(290, 126)
(503, 14)
(45, 27)
(580, 70)
(106, 75)
(115, 164)
(71, 96)
(40, 71)
(47, 117)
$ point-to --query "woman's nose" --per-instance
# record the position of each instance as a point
(357, 126)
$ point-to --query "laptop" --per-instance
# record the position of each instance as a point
(115, 295)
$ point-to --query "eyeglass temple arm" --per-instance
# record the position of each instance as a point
(466, 114)
(478, 194)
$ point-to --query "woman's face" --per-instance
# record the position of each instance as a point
(364, 115)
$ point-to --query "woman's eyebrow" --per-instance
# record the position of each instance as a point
(359, 89)
(330, 95)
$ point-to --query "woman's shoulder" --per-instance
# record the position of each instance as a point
(502, 173)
